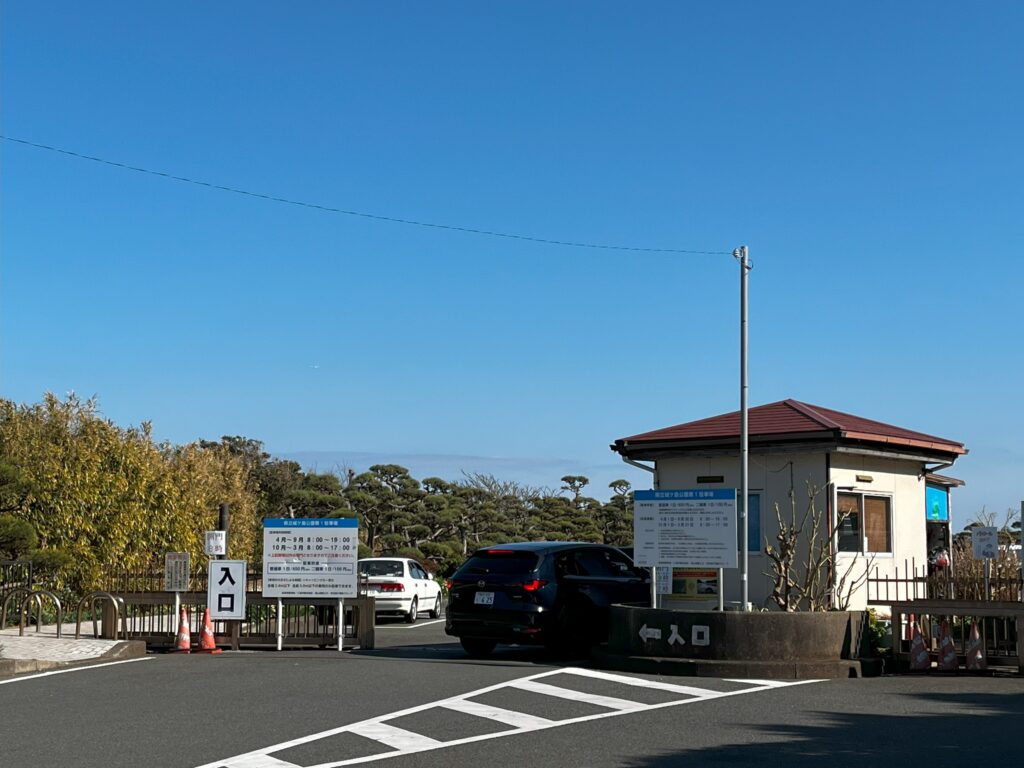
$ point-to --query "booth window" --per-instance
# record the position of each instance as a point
(865, 523)
(754, 542)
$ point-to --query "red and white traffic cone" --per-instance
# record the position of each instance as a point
(183, 642)
(976, 661)
(947, 650)
(206, 641)
(919, 658)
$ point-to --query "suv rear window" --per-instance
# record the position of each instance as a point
(500, 561)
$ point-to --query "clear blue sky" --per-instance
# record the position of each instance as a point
(869, 154)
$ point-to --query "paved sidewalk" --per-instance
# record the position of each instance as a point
(43, 650)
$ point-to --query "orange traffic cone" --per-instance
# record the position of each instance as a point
(183, 642)
(947, 650)
(976, 661)
(206, 641)
(919, 658)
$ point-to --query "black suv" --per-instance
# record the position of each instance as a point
(553, 593)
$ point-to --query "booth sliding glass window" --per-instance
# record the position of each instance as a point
(865, 522)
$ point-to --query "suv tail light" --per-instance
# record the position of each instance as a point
(533, 585)
(448, 584)
(391, 587)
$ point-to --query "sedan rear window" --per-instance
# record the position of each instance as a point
(382, 568)
(500, 561)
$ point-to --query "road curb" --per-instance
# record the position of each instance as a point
(126, 649)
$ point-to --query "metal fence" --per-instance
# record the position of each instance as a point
(150, 614)
(15, 574)
(914, 582)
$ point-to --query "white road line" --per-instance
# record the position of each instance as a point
(763, 683)
(564, 693)
(519, 720)
(72, 669)
(408, 626)
(252, 759)
(266, 761)
(396, 738)
(683, 690)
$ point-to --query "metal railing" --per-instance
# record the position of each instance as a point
(914, 582)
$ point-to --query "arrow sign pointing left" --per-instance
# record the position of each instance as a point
(649, 634)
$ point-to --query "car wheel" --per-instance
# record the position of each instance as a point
(435, 612)
(414, 610)
(477, 648)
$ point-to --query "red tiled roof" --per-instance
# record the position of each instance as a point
(793, 418)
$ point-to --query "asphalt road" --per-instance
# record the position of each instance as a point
(190, 711)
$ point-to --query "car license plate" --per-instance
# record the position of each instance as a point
(483, 598)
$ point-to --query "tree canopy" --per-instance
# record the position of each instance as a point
(82, 494)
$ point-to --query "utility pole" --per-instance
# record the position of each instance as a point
(743, 256)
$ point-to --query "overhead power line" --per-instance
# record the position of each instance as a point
(361, 214)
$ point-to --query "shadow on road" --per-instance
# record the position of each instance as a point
(451, 652)
(973, 727)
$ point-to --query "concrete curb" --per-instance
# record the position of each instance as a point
(126, 649)
(762, 670)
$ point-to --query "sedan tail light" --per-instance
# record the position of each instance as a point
(533, 585)
(391, 587)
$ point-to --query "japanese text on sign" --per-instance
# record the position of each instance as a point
(225, 593)
(310, 558)
(176, 568)
(689, 528)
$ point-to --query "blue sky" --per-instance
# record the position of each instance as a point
(869, 154)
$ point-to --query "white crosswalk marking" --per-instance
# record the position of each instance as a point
(685, 690)
(397, 738)
(406, 742)
(506, 716)
(565, 693)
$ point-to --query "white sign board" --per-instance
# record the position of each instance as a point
(985, 543)
(688, 528)
(176, 568)
(225, 594)
(216, 543)
(310, 557)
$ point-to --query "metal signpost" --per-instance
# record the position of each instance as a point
(225, 591)
(311, 558)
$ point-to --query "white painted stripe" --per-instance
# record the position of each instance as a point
(257, 761)
(554, 724)
(396, 738)
(393, 715)
(409, 626)
(519, 720)
(684, 690)
(763, 683)
(71, 669)
(565, 693)
(239, 760)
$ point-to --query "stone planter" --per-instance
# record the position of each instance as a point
(772, 644)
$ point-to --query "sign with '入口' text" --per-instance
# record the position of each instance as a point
(314, 557)
(225, 592)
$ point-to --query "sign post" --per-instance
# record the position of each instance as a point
(311, 558)
(177, 566)
(985, 546)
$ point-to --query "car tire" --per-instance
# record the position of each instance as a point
(435, 612)
(476, 647)
(414, 611)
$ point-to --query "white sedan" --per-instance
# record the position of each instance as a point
(400, 585)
